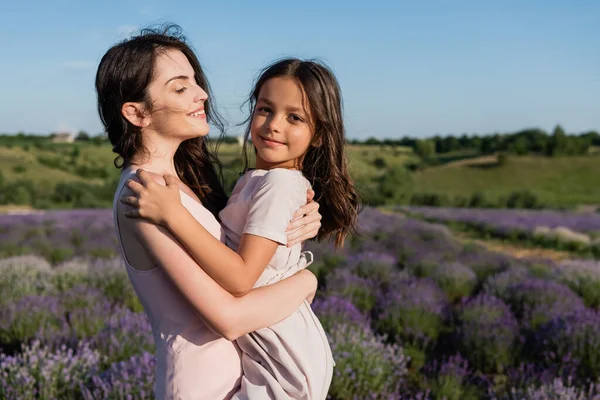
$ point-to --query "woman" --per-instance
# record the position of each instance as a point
(153, 101)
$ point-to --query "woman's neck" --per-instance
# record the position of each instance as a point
(159, 154)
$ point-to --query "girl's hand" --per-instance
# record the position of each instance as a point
(153, 201)
(306, 222)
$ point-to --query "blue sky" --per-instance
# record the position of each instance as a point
(415, 68)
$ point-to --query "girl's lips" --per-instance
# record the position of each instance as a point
(270, 142)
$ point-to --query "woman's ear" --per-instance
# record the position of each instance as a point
(134, 112)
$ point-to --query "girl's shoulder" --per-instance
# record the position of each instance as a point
(279, 175)
(284, 179)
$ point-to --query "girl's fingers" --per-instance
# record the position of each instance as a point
(135, 186)
(144, 177)
(310, 194)
(131, 201)
(170, 180)
(132, 213)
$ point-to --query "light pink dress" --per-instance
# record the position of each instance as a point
(192, 361)
(291, 359)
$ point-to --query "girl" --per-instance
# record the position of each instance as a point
(298, 135)
(154, 124)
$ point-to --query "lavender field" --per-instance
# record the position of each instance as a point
(578, 232)
(410, 311)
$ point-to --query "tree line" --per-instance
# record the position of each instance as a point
(526, 141)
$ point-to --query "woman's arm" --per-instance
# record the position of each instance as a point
(225, 314)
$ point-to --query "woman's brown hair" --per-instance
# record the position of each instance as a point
(124, 75)
(324, 164)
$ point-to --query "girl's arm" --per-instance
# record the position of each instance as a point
(162, 205)
(228, 316)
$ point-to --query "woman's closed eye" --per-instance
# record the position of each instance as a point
(181, 90)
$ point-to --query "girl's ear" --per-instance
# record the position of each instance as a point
(135, 113)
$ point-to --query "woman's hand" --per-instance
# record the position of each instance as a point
(305, 223)
(152, 201)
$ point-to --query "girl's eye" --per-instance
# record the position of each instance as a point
(183, 89)
(263, 110)
(296, 118)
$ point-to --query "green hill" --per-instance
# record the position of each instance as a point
(557, 181)
(82, 174)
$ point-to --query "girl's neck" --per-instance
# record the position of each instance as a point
(291, 164)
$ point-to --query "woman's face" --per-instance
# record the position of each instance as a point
(177, 109)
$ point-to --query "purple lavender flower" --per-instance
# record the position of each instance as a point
(488, 333)
(359, 291)
(583, 277)
(535, 300)
(59, 235)
(124, 335)
(448, 379)
(39, 372)
(134, 376)
(507, 220)
(555, 390)
(366, 367)
(573, 340)
(456, 280)
(333, 310)
(413, 312)
(24, 275)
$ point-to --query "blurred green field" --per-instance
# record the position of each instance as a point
(566, 181)
(557, 181)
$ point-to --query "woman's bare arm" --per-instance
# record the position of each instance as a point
(225, 314)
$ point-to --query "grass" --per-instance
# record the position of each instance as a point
(557, 182)
(560, 181)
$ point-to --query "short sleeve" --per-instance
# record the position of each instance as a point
(279, 194)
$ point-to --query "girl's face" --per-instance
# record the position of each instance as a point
(177, 101)
(281, 126)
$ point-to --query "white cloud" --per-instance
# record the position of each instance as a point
(79, 65)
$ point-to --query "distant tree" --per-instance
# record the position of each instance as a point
(558, 142)
(82, 136)
(425, 148)
(396, 184)
(521, 146)
(372, 141)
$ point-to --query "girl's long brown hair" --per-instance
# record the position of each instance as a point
(124, 75)
(324, 164)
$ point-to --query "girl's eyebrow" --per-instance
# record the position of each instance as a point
(269, 103)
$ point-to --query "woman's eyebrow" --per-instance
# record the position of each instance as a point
(184, 77)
